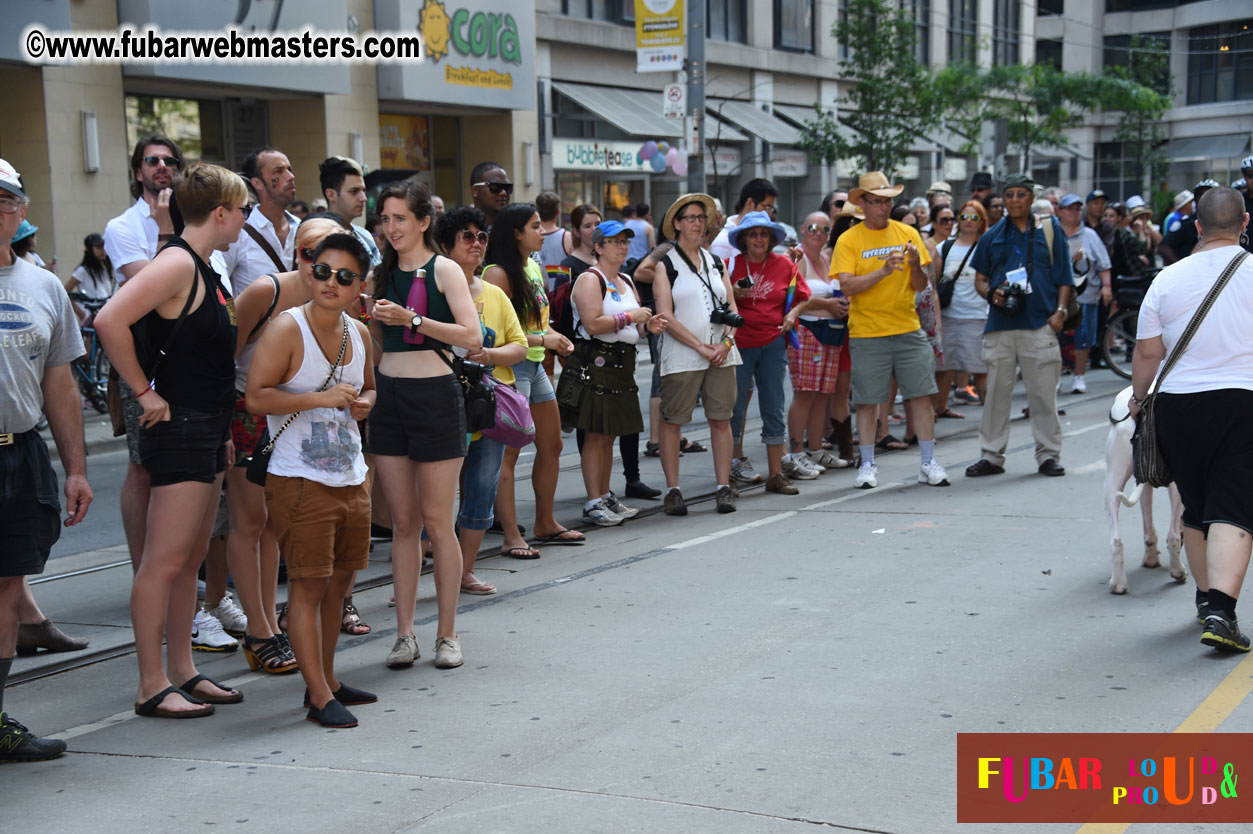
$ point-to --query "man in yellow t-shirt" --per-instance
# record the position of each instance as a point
(879, 265)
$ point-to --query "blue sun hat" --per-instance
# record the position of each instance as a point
(754, 220)
(24, 231)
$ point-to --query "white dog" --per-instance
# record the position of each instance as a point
(1118, 470)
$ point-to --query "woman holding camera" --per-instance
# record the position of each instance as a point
(698, 357)
(597, 392)
(771, 296)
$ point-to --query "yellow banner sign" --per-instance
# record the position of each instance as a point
(659, 33)
(404, 142)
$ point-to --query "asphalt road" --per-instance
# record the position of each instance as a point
(808, 661)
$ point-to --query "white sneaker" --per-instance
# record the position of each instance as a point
(448, 653)
(742, 472)
(867, 476)
(797, 470)
(230, 615)
(1078, 385)
(601, 516)
(207, 634)
(933, 474)
(619, 509)
(814, 461)
(828, 460)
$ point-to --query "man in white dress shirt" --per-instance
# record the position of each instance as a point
(267, 243)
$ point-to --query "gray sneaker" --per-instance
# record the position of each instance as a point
(448, 653)
(404, 652)
(724, 499)
(601, 516)
(674, 503)
(797, 469)
(742, 472)
(619, 509)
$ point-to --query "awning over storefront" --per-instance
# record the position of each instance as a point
(720, 130)
(755, 120)
(1201, 148)
(636, 112)
(797, 114)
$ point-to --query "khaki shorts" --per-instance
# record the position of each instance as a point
(321, 529)
(715, 386)
(906, 356)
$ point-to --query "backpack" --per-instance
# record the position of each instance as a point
(561, 307)
(672, 272)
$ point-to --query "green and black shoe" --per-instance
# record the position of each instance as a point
(17, 744)
(1223, 633)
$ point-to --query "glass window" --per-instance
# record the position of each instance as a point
(794, 24)
(1049, 52)
(613, 11)
(1220, 62)
(1118, 53)
(1050, 7)
(195, 124)
(1006, 28)
(963, 15)
(728, 20)
(920, 10)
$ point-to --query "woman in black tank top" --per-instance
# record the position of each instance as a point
(184, 428)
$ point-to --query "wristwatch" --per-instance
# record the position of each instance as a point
(416, 322)
(1060, 309)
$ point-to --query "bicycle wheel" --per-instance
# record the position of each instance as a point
(101, 381)
(1120, 342)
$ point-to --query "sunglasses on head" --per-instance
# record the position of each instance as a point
(167, 161)
(495, 187)
(970, 216)
(344, 277)
(815, 229)
(473, 237)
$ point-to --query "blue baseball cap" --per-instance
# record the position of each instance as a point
(610, 228)
(1096, 194)
(1070, 200)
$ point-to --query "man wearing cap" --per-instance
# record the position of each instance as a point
(1181, 237)
(1246, 176)
(1095, 217)
(39, 339)
(879, 264)
(1090, 264)
(1022, 327)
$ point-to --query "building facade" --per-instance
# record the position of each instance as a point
(549, 89)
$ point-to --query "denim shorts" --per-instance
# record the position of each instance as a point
(1085, 333)
(30, 511)
(190, 446)
(532, 382)
(481, 472)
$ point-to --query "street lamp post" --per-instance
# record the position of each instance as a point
(695, 67)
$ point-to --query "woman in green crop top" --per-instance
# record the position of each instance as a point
(418, 426)
(515, 236)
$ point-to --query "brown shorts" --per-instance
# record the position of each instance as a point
(320, 528)
(715, 387)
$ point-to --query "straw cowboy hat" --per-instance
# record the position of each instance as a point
(667, 222)
(874, 183)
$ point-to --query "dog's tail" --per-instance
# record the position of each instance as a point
(1132, 499)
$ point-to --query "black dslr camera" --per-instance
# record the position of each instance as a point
(1015, 297)
(723, 314)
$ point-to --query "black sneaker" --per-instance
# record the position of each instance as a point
(1202, 611)
(1221, 632)
(724, 499)
(17, 744)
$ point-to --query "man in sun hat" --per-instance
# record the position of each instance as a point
(1183, 205)
(879, 264)
(40, 338)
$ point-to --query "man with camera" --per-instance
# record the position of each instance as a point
(1024, 271)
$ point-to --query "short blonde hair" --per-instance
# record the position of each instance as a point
(312, 232)
(203, 187)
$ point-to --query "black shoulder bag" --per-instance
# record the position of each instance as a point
(259, 462)
(1146, 456)
(947, 285)
(479, 389)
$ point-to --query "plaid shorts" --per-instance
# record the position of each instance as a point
(815, 366)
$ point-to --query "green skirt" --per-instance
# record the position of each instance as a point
(597, 391)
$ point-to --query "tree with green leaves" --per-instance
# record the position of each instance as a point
(1144, 87)
(892, 99)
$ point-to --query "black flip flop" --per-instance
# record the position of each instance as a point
(189, 688)
(559, 539)
(890, 444)
(686, 445)
(151, 708)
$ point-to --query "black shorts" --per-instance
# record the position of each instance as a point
(191, 446)
(422, 419)
(30, 511)
(1205, 442)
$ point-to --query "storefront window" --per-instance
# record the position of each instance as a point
(195, 124)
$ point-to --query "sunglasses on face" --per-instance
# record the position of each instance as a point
(495, 187)
(969, 217)
(770, 210)
(877, 201)
(167, 161)
(472, 237)
(815, 229)
(344, 277)
(944, 219)
(306, 254)
(838, 203)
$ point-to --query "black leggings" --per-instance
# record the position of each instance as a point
(629, 446)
